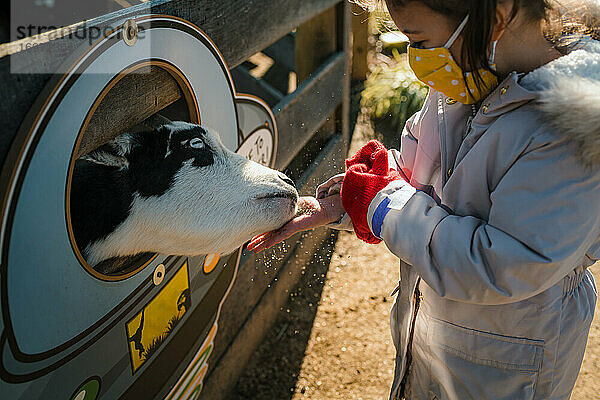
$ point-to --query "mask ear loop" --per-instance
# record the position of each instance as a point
(457, 32)
(493, 55)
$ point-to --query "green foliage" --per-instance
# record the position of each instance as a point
(393, 93)
(382, 22)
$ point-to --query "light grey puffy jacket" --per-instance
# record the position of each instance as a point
(498, 237)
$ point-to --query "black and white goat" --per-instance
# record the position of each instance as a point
(176, 190)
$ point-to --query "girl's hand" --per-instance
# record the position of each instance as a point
(331, 187)
(313, 213)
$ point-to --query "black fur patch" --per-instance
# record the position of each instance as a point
(152, 171)
(99, 201)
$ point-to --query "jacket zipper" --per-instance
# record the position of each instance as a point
(470, 121)
(417, 300)
(441, 111)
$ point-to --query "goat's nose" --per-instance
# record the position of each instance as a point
(287, 180)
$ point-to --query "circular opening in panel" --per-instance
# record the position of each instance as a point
(123, 107)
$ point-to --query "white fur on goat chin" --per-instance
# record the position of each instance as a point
(175, 190)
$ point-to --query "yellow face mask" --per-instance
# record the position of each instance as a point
(436, 68)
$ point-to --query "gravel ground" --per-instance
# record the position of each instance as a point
(332, 339)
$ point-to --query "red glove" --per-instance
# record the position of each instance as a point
(366, 154)
(360, 186)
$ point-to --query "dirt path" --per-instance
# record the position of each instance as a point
(332, 339)
(349, 354)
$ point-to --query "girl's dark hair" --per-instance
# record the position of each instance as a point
(560, 19)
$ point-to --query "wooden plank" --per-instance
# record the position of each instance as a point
(345, 44)
(278, 77)
(315, 42)
(249, 309)
(124, 106)
(301, 113)
(360, 42)
(239, 28)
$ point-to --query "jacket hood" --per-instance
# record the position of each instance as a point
(568, 91)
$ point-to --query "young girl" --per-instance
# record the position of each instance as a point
(492, 203)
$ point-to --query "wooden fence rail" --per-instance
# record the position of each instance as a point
(239, 28)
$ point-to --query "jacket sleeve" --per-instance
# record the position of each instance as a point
(544, 216)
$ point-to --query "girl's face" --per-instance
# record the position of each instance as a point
(426, 28)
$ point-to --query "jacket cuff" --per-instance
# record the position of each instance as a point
(393, 197)
(392, 163)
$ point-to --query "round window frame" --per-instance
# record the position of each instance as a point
(190, 100)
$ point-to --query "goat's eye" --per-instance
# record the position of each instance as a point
(196, 143)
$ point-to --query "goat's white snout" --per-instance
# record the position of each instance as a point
(268, 184)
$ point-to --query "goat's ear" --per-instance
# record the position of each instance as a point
(113, 153)
(155, 121)
(106, 156)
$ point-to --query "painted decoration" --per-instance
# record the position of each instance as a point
(258, 146)
(158, 319)
(89, 390)
(67, 331)
(189, 385)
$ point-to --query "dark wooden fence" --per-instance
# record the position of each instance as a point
(310, 38)
(239, 28)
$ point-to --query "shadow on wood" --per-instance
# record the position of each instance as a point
(279, 357)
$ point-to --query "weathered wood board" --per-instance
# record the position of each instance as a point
(258, 23)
